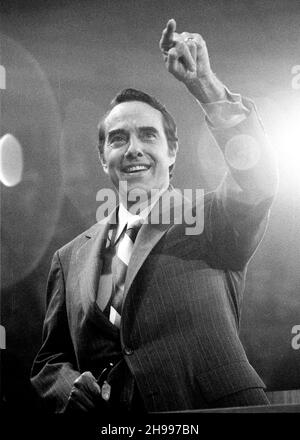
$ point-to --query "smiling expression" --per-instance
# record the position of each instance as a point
(136, 149)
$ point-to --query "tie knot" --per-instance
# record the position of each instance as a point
(133, 228)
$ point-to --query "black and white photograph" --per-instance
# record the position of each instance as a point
(150, 215)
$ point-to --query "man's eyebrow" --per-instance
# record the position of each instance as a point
(148, 128)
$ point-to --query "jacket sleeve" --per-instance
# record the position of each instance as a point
(237, 214)
(54, 368)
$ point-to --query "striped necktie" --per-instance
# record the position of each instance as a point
(119, 269)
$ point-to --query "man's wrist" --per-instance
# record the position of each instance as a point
(207, 88)
(226, 113)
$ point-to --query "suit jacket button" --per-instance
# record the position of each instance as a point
(128, 351)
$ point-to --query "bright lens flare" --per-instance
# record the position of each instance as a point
(289, 138)
(282, 121)
(11, 160)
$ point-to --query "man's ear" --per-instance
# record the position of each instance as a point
(103, 162)
(172, 155)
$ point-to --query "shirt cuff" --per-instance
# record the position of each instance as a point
(226, 113)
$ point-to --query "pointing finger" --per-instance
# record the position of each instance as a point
(167, 40)
(171, 26)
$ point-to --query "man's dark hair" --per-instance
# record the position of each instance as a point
(169, 124)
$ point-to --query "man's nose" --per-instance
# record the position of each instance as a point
(134, 148)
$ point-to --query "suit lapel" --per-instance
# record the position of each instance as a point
(90, 262)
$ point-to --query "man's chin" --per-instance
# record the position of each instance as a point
(136, 192)
(134, 185)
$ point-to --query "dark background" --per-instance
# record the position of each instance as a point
(64, 62)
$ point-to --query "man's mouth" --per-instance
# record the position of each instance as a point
(133, 169)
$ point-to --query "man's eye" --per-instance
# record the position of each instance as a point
(148, 136)
(118, 139)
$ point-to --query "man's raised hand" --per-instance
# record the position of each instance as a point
(186, 57)
(185, 54)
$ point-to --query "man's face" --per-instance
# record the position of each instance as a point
(136, 149)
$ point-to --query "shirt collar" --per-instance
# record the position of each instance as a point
(125, 217)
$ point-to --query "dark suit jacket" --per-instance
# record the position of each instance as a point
(180, 318)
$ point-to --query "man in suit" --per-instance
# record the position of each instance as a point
(161, 332)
